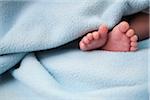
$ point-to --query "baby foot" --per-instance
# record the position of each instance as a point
(121, 38)
(95, 39)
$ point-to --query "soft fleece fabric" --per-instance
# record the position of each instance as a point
(67, 73)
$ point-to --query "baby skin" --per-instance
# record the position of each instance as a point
(122, 37)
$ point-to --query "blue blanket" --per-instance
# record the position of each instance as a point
(66, 73)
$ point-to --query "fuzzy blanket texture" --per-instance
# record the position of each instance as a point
(35, 45)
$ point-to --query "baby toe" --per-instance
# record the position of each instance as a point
(134, 38)
(96, 35)
(133, 49)
(82, 45)
(123, 26)
(133, 44)
(130, 33)
(103, 30)
(86, 40)
(90, 36)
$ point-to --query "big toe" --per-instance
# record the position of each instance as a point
(103, 30)
(123, 26)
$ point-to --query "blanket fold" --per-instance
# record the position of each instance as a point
(28, 28)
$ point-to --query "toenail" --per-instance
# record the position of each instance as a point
(86, 41)
(123, 26)
(90, 36)
(134, 44)
(130, 33)
(133, 48)
(83, 45)
(134, 38)
(124, 22)
(95, 35)
(103, 28)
